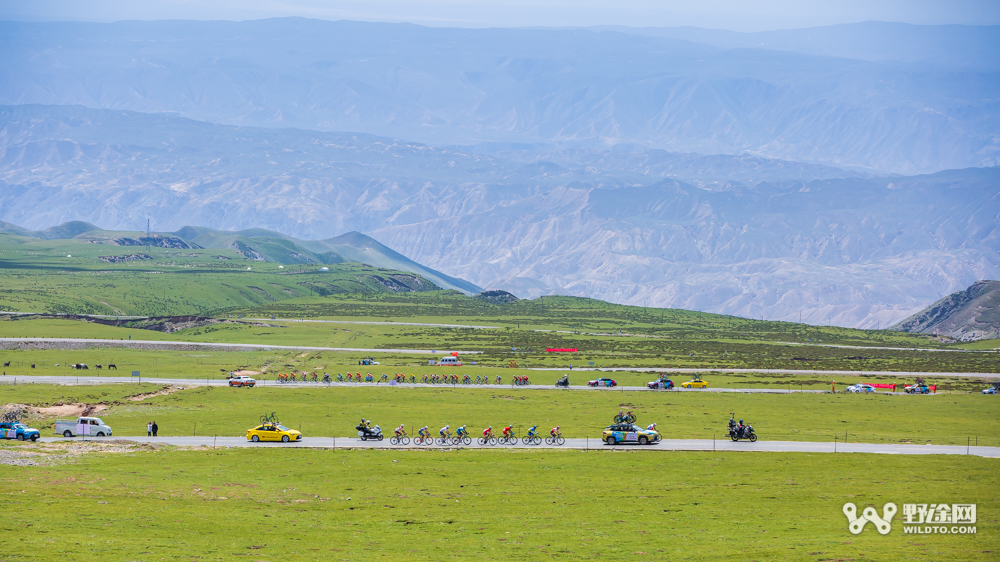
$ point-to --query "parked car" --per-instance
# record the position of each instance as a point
(991, 390)
(662, 384)
(19, 431)
(602, 382)
(82, 426)
(450, 361)
(695, 383)
(242, 380)
(368, 361)
(861, 388)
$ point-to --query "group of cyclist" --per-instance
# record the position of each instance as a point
(507, 435)
(399, 378)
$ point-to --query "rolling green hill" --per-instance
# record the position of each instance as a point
(256, 244)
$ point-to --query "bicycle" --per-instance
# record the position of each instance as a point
(444, 439)
(270, 419)
(423, 440)
(400, 440)
(531, 440)
(556, 439)
(508, 439)
(487, 440)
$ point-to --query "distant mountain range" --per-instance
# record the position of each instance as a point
(971, 314)
(256, 244)
(884, 97)
(737, 235)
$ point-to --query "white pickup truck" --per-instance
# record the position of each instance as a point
(82, 426)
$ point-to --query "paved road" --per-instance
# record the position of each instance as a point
(708, 370)
(470, 326)
(666, 445)
(225, 346)
(91, 379)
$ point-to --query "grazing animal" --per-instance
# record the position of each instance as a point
(32, 365)
(112, 366)
(7, 364)
(98, 367)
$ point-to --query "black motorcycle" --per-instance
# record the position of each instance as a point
(563, 382)
(738, 432)
(366, 433)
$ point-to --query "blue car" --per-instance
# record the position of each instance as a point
(18, 431)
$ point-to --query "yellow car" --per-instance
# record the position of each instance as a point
(273, 432)
(695, 383)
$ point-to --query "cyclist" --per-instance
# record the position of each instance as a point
(554, 432)
(651, 427)
(401, 430)
(498, 379)
(531, 431)
(488, 432)
(445, 431)
(424, 432)
(462, 432)
(509, 430)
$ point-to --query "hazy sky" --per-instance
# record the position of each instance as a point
(738, 15)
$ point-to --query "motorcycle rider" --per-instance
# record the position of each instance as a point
(740, 428)
(365, 423)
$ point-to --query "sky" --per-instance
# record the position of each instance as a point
(736, 15)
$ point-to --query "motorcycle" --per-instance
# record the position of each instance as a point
(366, 433)
(563, 382)
(736, 432)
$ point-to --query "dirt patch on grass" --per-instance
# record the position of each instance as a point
(245, 372)
(162, 392)
(65, 410)
(48, 454)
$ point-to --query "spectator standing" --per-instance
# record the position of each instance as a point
(149, 429)
(155, 428)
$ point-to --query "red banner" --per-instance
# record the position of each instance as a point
(880, 385)
(561, 350)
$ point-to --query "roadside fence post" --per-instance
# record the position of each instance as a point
(214, 437)
(968, 441)
(713, 442)
(195, 431)
(834, 443)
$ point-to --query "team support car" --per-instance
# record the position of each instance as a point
(861, 388)
(19, 431)
(273, 432)
(917, 389)
(662, 384)
(629, 433)
(991, 390)
(695, 383)
(602, 382)
(242, 380)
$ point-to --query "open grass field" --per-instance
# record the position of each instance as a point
(942, 419)
(275, 505)
(525, 347)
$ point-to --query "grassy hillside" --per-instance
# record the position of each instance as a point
(80, 277)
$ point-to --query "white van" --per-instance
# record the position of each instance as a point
(82, 426)
(450, 361)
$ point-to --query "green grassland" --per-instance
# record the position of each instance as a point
(69, 276)
(526, 346)
(474, 505)
(942, 419)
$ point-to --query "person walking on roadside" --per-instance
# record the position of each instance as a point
(149, 429)
(154, 427)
